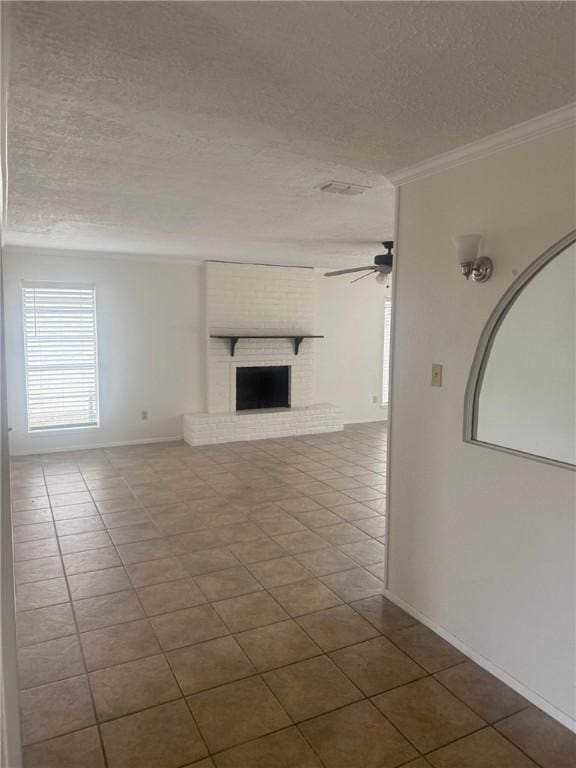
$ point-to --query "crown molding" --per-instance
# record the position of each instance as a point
(509, 137)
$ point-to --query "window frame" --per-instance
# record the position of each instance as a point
(61, 285)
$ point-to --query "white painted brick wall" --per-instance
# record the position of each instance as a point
(207, 428)
(256, 299)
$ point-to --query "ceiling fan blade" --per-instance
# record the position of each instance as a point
(347, 271)
(361, 277)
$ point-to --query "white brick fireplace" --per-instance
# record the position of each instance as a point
(252, 299)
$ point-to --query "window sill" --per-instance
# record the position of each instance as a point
(58, 430)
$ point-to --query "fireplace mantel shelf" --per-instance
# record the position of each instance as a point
(297, 338)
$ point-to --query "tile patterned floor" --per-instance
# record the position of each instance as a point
(221, 607)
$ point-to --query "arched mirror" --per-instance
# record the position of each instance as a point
(521, 394)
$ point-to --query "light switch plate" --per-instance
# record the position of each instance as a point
(436, 375)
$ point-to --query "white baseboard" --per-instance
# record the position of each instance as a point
(94, 446)
(486, 664)
(366, 421)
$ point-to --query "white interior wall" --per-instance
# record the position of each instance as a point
(535, 352)
(150, 320)
(481, 543)
(151, 335)
(349, 360)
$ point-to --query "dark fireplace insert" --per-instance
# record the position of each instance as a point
(263, 386)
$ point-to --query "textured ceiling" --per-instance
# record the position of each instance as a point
(204, 129)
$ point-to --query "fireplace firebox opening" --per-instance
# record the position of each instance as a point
(263, 386)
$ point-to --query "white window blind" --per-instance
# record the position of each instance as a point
(386, 350)
(61, 356)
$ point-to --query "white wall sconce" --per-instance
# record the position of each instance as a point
(479, 268)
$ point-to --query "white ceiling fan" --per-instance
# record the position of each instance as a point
(382, 266)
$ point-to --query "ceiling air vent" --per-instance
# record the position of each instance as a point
(343, 188)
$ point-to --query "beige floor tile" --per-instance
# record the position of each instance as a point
(427, 714)
(188, 543)
(33, 550)
(376, 665)
(115, 645)
(130, 517)
(378, 570)
(257, 551)
(427, 648)
(79, 542)
(119, 491)
(142, 551)
(49, 661)
(92, 560)
(365, 552)
(322, 562)
(78, 748)
(277, 645)
(170, 596)
(129, 687)
(192, 625)
(332, 499)
(38, 570)
(280, 524)
(231, 582)
(65, 499)
(127, 534)
(34, 532)
(542, 738)
(342, 533)
(239, 533)
(71, 511)
(155, 571)
(481, 691)
(365, 494)
(165, 736)
(483, 749)
(383, 614)
(301, 541)
(249, 611)
(44, 624)
(54, 709)
(39, 594)
(30, 503)
(354, 584)
(110, 506)
(79, 525)
(107, 610)
(206, 665)
(337, 627)
(207, 561)
(237, 712)
(318, 518)
(277, 572)
(355, 511)
(373, 526)
(311, 687)
(357, 735)
(297, 505)
(96, 583)
(285, 749)
(59, 488)
(305, 597)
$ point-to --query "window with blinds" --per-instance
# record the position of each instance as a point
(60, 355)
(386, 350)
